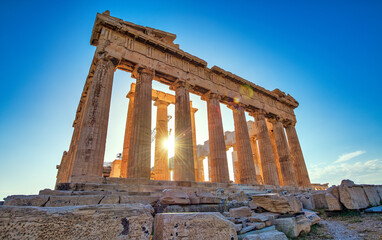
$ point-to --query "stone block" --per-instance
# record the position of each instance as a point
(61, 201)
(51, 192)
(110, 199)
(312, 216)
(319, 198)
(240, 212)
(379, 190)
(151, 200)
(119, 221)
(372, 195)
(279, 204)
(293, 226)
(333, 202)
(307, 201)
(208, 198)
(270, 235)
(247, 229)
(193, 226)
(174, 197)
(352, 196)
(258, 217)
(252, 205)
(26, 200)
(238, 227)
(240, 197)
(257, 225)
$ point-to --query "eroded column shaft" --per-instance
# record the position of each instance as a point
(243, 145)
(194, 146)
(218, 157)
(297, 156)
(268, 164)
(91, 144)
(140, 137)
(126, 142)
(184, 154)
(285, 159)
(161, 149)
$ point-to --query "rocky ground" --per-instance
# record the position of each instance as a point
(350, 225)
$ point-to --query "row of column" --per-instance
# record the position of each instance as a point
(88, 160)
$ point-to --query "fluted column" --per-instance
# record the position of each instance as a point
(243, 144)
(256, 159)
(126, 142)
(161, 149)
(184, 153)
(218, 156)
(89, 158)
(140, 137)
(268, 164)
(297, 156)
(285, 159)
(194, 146)
(274, 149)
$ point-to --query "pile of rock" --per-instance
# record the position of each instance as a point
(347, 195)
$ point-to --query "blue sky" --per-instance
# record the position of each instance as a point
(326, 54)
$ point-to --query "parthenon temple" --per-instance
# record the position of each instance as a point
(266, 148)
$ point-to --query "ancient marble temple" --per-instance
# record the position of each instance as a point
(270, 155)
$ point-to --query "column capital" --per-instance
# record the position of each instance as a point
(142, 70)
(194, 110)
(288, 123)
(210, 95)
(180, 83)
(257, 113)
(253, 137)
(236, 106)
(130, 94)
(158, 102)
(104, 56)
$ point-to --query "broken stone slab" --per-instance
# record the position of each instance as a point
(267, 229)
(247, 229)
(61, 201)
(319, 198)
(258, 217)
(152, 200)
(51, 192)
(240, 197)
(238, 227)
(379, 190)
(252, 205)
(257, 225)
(332, 198)
(26, 200)
(352, 196)
(278, 204)
(307, 200)
(293, 226)
(240, 212)
(372, 195)
(206, 198)
(110, 199)
(174, 197)
(114, 221)
(270, 235)
(193, 226)
(312, 216)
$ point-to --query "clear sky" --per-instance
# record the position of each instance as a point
(326, 54)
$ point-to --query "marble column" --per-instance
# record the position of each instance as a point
(88, 163)
(218, 156)
(140, 137)
(285, 159)
(126, 142)
(184, 154)
(161, 169)
(201, 170)
(243, 144)
(297, 156)
(268, 165)
(256, 159)
(194, 146)
(274, 149)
